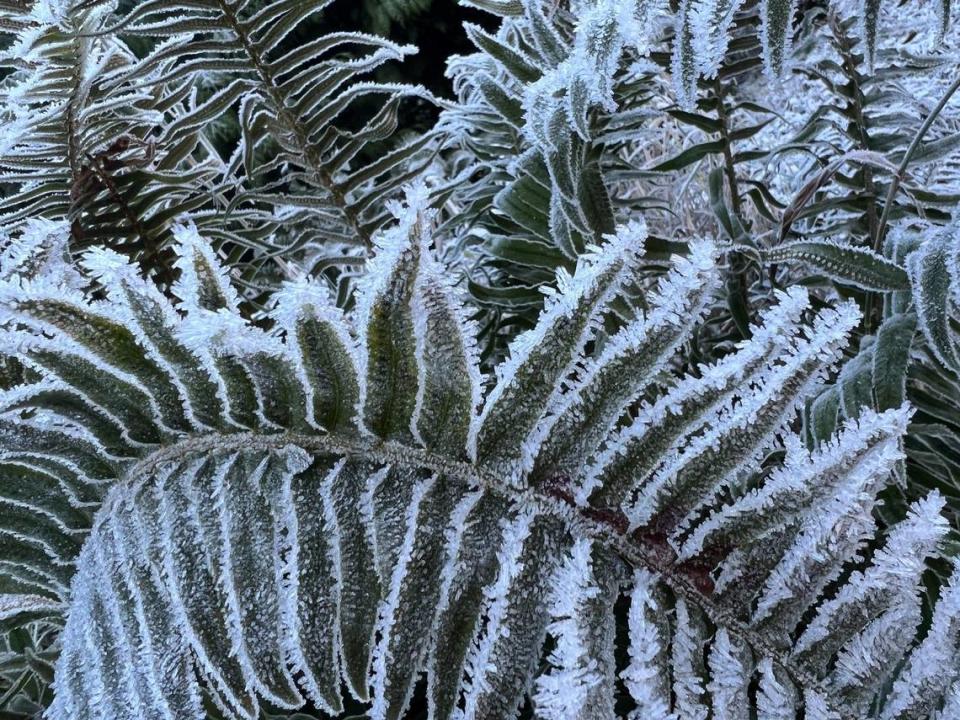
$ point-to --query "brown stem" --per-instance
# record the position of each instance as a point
(151, 249)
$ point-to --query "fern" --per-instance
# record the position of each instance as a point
(276, 442)
(137, 152)
(893, 362)
(255, 516)
(67, 140)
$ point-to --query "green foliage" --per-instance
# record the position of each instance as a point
(641, 404)
(241, 517)
(383, 14)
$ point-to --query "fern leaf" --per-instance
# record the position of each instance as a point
(474, 533)
(929, 674)
(649, 633)
(317, 328)
(933, 278)
(688, 661)
(503, 658)
(687, 408)
(777, 698)
(389, 364)
(731, 671)
(312, 618)
(776, 34)
(407, 613)
(580, 682)
(630, 360)
(546, 354)
(262, 564)
(894, 574)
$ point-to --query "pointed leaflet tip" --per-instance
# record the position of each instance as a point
(203, 282)
(388, 368)
(449, 381)
(540, 358)
(107, 265)
(296, 298)
(564, 691)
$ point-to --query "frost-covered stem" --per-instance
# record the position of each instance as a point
(292, 124)
(857, 101)
(908, 156)
(738, 261)
(595, 526)
(728, 165)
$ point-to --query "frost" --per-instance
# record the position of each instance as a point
(388, 609)
(804, 366)
(563, 692)
(892, 577)
(194, 257)
(497, 607)
(39, 250)
(295, 299)
(687, 660)
(197, 485)
(730, 666)
(952, 707)
(816, 707)
(776, 34)
(585, 78)
(777, 697)
(606, 384)
(225, 333)
(864, 451)
(711, 22)
(777, 329)
(13, 605)
(530, 379)
(931, 667)
(643, 676)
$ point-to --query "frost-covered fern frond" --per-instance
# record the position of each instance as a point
(934, 269)
(292, 99)
(570, 113)
(913, 355)
(544, 106)
(76, 149)
(114, 116)
(703, 32)
(253, 517)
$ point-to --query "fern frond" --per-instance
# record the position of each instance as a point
(78, 150)
(275, 512)
(120, 143)
(287, 96)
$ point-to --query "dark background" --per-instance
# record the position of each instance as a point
(434, 26)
